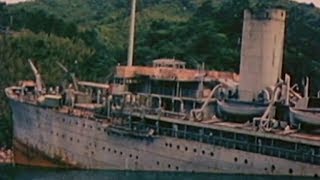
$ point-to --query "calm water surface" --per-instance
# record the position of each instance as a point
(21, 172)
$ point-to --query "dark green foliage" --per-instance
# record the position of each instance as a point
(90, 37)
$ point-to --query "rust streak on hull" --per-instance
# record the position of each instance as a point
(25, 155)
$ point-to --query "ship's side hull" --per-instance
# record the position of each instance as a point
(84, 143)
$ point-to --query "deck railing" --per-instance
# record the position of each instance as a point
(289, 154)
(231, 143)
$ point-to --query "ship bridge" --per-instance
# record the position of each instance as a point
(170, 63)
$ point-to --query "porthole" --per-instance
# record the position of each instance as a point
(166, 144)
(83, 125)
(78, 140)
(170, 145)
(169, 165)
(57, 134)
(246, 161)
(90, 127)
(186, 148)
(63, 135)
(211, 154)
(103, 148)
(177, 168)
(92, 152)
(290, 171)
(158, 163)
(273, 167)
(137, 157)
(71, 138)
(235, 159)
(130, 155)
(194, 150)
(120, 153)
(203, 152)
(178, 147)
(109, 149)
(115, 151)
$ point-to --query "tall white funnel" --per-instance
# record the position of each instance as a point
(261, 51)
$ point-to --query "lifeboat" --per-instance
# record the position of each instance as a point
(306, 113)
(235, 108)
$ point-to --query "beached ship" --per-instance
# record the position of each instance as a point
(170, 118)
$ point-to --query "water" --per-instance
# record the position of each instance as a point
(23, 173)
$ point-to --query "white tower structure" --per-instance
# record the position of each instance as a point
(261, 51)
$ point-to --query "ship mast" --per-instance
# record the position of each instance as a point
(131, 38)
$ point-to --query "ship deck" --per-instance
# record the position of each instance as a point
(86, 111)
(240, 128)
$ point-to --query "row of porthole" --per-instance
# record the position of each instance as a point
(235, 159)
(103, 148)
(63, 136)
(120, 152)
(245, 160)
(186, 149)
(169, 166)
(273, 168)
(71, 139)
(178, 147)
(84, 125)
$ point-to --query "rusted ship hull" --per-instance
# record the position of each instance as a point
(26, 155)
(83, 143)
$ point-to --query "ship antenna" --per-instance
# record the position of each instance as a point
(131, 38)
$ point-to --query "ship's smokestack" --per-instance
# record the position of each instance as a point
(131, 38)
(261, 51)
